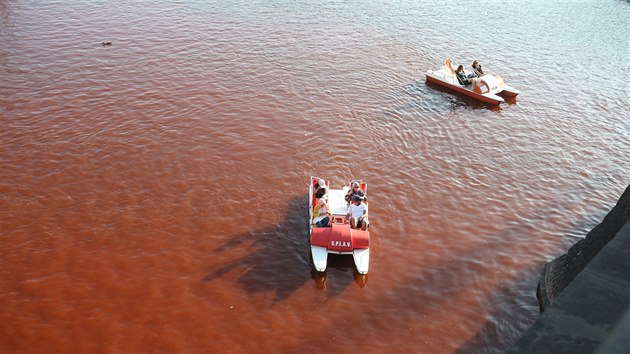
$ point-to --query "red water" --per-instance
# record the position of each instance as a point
(153, 192)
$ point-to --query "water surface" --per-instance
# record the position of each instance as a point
(153, 193)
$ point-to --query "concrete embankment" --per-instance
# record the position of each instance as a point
(585, 293)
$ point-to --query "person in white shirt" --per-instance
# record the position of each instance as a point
(357, 214)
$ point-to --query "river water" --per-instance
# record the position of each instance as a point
(153, 193)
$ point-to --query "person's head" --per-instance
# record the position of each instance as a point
(355, 185)
(321, 202)
(357, 199)
(475, 64)
(460, 68)
(322, 183)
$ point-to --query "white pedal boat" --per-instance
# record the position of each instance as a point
(490, 89)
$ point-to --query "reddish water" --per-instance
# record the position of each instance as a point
(153, 192)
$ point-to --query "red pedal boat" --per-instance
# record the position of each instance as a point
(338, 237)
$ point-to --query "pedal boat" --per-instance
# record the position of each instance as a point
(489, 90)
(338, 237)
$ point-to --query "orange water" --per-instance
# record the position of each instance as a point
(153, 193)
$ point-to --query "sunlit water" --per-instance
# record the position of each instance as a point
(153, 192)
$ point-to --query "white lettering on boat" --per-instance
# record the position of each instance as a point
(340, 243)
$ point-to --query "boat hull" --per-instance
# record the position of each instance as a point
(509, 92)
(486, 98)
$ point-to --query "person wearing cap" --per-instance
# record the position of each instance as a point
(355, 190)
(358, 214)
(477, 69)
(320, 189)
(323, 215)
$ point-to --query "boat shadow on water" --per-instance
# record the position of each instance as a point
(277, 259)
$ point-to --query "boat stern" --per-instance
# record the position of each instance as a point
(509, 91)
(320, 258)
(361, 260)
(340, 239)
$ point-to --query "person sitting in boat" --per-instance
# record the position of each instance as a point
(355, 190)
(358, 214)
(464, 78)
(323, 214)
(320, 189)
(477, 70)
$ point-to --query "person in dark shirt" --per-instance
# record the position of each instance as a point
(355, 190)
(477, 70)
(465, 79)
(320, 189)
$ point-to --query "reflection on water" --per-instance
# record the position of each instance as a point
(152, 192)
(338, 267)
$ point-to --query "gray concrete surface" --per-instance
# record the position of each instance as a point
(592, 314)
(559, 273)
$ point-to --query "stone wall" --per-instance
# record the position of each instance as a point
(585, 294)
(557, 274)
